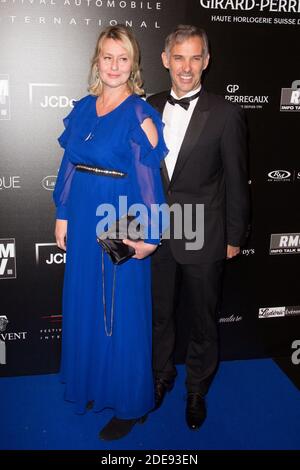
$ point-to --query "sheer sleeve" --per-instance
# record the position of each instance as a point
(66, 171)
(148, 188)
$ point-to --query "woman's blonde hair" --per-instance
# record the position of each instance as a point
(123, 34)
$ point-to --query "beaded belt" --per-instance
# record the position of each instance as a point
(101, 171)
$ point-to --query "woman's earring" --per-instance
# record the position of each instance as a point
(131, 76)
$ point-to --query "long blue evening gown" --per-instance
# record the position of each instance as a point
(114, 371)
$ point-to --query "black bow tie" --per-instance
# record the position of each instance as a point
(184, 102)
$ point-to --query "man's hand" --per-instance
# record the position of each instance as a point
(142, 249)
(232, 251)
(61, 233)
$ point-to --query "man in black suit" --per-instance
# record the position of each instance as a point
(206, 165)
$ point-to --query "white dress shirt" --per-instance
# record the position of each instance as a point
(176, 121)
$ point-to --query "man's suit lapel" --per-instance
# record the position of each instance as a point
(193, 132)
(164, 170)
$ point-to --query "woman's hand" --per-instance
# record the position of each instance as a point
(61, 233)
(142, 249)
(232, 251)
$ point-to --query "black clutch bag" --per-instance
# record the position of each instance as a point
(111, 240)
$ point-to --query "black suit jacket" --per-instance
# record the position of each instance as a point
(211, 169)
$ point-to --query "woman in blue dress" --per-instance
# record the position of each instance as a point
(113, 144)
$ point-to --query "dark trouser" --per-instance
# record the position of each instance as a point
(202, 283)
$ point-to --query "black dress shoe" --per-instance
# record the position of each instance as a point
(195, 412)
(161, 387)
(118, 428)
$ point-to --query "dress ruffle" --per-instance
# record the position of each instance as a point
(64, 137)
(148, 155)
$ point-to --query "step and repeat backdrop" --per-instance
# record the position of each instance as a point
(45, 54)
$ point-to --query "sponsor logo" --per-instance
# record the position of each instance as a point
(285, 176)
(9, 182)
(4, 97)
(50, 334)
(46, 95)
(285, 243)
(49, 253)
(290, 98)
(3, 325)
(83, 13)
(48, 182)
(246, 101)
(248, 251)
(269, 312)
(5, 336)
(246, 5)
(8, 258)
(231, 319)
(292, 311)
(279, 175)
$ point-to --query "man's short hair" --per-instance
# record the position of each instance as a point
(182, 32)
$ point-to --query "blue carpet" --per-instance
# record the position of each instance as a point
(251, 405)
